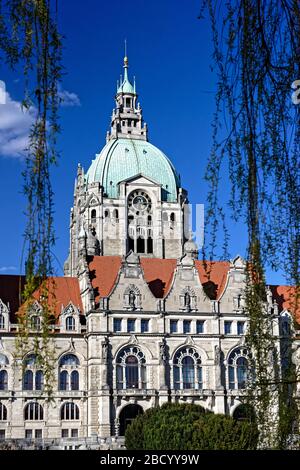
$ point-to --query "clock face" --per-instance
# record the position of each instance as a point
(139, 201)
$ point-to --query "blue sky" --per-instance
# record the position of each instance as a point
(169, 52)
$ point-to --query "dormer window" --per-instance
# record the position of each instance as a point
(35, 322)
(70, 323)
(93, 216)
(70, 320)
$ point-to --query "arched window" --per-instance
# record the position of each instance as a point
(165, 217)
(238, 365)
(116, 215)
(74, 380)
(131, 368)
(172, 218)
(69, 411)
(244, 412)
(69, 360)
(70, 323)
(2, 322)
(106, 215)
(33, 378)
(3, 412)
(3, 380)
(93, 216)
(68, 377)
(3, 360)
(187, 370)
(33, 412)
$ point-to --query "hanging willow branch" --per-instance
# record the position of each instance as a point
(29, 38)
(257, 57)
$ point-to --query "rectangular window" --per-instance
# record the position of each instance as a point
(173, 326)
(117, 325)
(65, 433)
(74, 432)
(28, 434)
(186, 326)
(130, 325)
(227, 327)
(2, 433)
(240, 327)
(38, 434)
(144, 326)
(200, 327)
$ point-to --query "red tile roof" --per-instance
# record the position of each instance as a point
(62, 291)
(213, 276)
(158, 274)
(287, 299)
(104, 271)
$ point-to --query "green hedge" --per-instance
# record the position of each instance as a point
(188, 427)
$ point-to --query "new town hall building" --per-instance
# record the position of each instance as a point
(139, 319)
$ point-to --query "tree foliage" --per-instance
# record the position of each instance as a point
(29, 39)
(256, 142)
(188, 427)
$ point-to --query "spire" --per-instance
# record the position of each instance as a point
(125, 85)
(127, 118)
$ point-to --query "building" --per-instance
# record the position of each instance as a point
(139, 320)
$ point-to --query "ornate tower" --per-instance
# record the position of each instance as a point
(131, 197)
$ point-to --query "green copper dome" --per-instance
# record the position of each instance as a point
(121, 159)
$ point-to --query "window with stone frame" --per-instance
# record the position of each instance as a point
(68, 373)
(240, 327)
(33, 412)
(70, 323)
(144, 325)
(238, 368)
(3, 380)
(33, 377)
(3, 372)
(173, 326)
(3, 412)
(186, 326)
(200, 326)
(227, 327)
(117, 325)
(187, 369)
(131, 325)
(69, 411)
(131, 368)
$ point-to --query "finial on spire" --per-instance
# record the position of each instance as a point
(125, 57)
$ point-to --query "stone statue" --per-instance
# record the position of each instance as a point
(163, 351)
(105, 345)
(187, 301)
(132, 298)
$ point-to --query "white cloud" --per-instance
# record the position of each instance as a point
(68, 98)
(7, 268)
(15, 124)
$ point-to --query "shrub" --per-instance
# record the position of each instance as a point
(188, 427)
